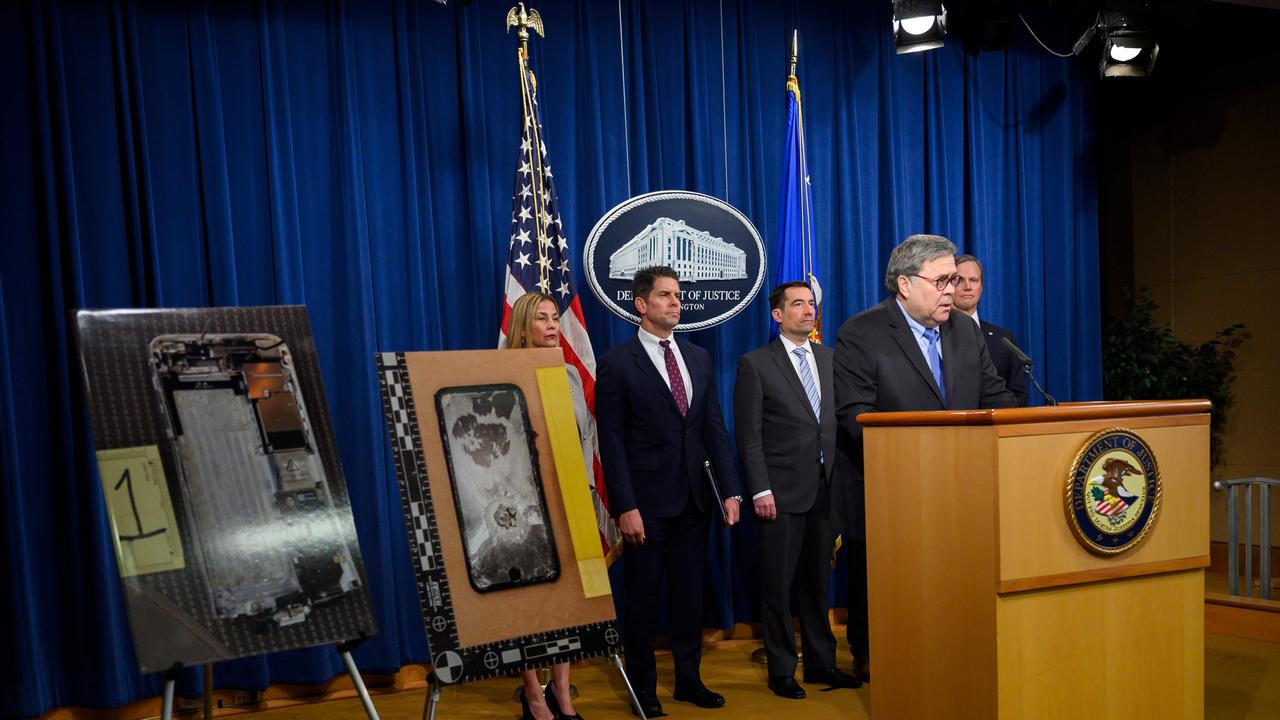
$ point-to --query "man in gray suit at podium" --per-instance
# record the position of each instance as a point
(785, 422)
(910, 352)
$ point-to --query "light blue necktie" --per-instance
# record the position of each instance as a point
(810, 386)
(935, 361)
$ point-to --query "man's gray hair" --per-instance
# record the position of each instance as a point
(913, 253)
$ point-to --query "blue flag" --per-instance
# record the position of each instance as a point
(797, 255)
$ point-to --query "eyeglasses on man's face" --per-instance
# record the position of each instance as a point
(942, 281)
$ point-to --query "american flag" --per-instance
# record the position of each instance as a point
(538, 260)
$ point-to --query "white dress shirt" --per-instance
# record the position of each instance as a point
(656, 354)
(918, 331)
(808, 357)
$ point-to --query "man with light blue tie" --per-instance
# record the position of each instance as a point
(785, 422)
(908, 353)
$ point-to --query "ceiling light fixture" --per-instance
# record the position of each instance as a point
(918, 25)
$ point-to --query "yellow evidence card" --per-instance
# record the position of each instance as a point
(557, 405)
(144, 528)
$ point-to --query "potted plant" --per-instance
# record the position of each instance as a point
(1142, 360)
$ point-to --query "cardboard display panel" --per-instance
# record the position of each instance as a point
(493, 447)
(228, 509)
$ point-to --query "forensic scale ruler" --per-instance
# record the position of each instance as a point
(451, 662)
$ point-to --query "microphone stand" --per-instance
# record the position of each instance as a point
(1025, 359)
(1047, 397)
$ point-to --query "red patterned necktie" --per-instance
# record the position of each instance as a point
(673, 377)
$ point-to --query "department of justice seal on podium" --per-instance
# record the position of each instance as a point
(1113, 492)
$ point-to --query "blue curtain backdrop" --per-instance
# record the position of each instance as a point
(358, 157)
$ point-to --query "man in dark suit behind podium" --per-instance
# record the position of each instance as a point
(785, 421)
(968, 293)
(659, 419)
(910, 352)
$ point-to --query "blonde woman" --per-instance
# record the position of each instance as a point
(535, 323)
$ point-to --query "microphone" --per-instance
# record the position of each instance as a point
(1025, 359)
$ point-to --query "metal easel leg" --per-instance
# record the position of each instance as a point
(208, 691)
(433, 697)
(166, 704)
(635, 701)
(358, 681)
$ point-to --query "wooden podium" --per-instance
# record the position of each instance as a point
(983, 603)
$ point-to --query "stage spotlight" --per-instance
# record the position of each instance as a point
(1128, 49)
(918, 25)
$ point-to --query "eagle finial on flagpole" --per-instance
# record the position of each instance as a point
(522, 20)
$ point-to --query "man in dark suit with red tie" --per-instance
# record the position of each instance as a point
(659, 419)
(910, 352)
(785, 421)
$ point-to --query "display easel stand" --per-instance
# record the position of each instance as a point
(344, 649)
(433, 697)
(635, 701)
(170, 682)
(434, 685)
(208, 691)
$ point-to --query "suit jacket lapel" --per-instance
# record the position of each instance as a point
(788, 371)
(907, 341)
(642, 358)
(826, 381)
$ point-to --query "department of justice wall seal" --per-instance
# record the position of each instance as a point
(711, 244)
(1113, 492)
